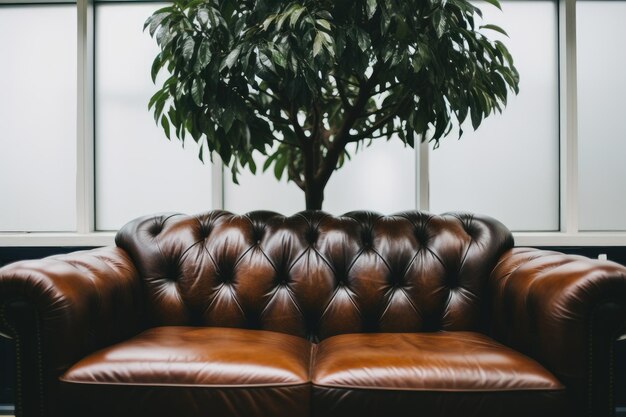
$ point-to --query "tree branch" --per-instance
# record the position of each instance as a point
(377, 111)
(274, 119)
(269, 95)
(383, 135)
(317, 121)
(342, 94)
(338, 145)
(352, 83)
(378, 124)
(294, 175)
(293, 118)
(387, 88)
(294, 145)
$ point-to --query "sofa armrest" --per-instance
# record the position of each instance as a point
(59, 309)
(565, 311)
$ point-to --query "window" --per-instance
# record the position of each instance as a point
(380, 178)
(509, 167)
(138, 171)
(38, 117)
(601, 129)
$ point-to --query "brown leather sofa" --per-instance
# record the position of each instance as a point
(314, 315)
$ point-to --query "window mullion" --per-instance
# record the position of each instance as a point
(568, 116)
(422, 172)
(85, 185)
(217, 175)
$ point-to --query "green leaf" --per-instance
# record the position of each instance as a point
(166, 126)
(212, 17)
(324, 24)
(156, 67)
(496, 28)
(231, 59)
(389, 52)
(363, 39)
(252, 164)
(324, 14)
(188, 48)
(197, 91)
(167, 10)
(318, 44)
(158, 107)
(269, 160)
(462, 114)
(417, 63)
(164, 36)
(268, 21)
(500, 46)
(156, 96)
(370, 8)
(475, 112)
(155, 21)
(328, 43)
(266, 63)
(295, 16)
(278, 58)
(281, 20)
(279, 166)
(201, 152)
(203, 17)
(228, 117)
(204, 56)
(439, 22)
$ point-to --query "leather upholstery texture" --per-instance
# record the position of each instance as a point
(313, 315)
(59, 309)
(443, 361)
(543, 300)
(545, 305)
(441, 374)
(232, 372)
(179, 356)
(314, 275)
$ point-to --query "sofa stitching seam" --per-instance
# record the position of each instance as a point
(312, 357)
(458, 390)
(139, 384)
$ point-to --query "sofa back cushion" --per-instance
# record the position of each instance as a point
(315, 275)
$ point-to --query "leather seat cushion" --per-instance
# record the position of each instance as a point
(175, 370)
(443, 374)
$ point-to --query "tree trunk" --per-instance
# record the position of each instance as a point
(314, 195)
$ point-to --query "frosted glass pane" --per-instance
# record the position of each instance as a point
(137, 170)
(509, 168)
(38, 118)
(261, 192)
(601, 128)
(379, 178)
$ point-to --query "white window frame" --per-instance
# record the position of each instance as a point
(86, 235)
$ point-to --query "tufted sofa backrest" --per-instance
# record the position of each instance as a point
(315, 275)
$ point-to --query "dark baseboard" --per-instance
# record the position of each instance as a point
(9, 410)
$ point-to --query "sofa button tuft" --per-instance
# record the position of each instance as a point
(257, 234)
(311, 236)
(155, 229)
(205, 231)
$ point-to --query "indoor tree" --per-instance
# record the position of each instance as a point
(299, 80)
